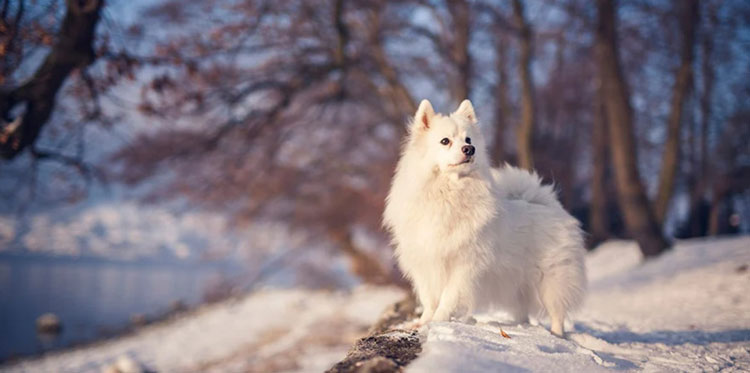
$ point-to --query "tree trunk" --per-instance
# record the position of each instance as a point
(713, 216)
(396, 94)
(461, 15)
(639, 217)
(683, 82)
(502, 106)
(705, 102)
(598, 216)
(700, 171)
(73, 49)
(363, 265)
(528, 111)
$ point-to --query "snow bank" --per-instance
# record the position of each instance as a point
(270, 330)
(688, 310)
(453, 347)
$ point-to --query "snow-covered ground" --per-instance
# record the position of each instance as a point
(268, 331)
(688, 310)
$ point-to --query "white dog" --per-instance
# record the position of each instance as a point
(471, 237)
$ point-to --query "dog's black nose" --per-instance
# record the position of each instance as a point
(467, 149)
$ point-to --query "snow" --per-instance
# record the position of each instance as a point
(454, 347)
(270, 330)
(688, 310)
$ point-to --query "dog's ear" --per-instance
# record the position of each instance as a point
(466, 110)
(424, 115)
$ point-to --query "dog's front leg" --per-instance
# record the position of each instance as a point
(429, 301)
(428, 292)
(457, 298)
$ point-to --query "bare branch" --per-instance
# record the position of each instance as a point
(72, 50)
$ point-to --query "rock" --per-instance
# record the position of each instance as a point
(385, 349)
(124, 364)
(177, 306)
(384, 352)
(138, 319)
(377, 364)
(398, 313)
(48, 323)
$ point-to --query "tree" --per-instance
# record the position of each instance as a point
(731, 172)
(683, 80)
(502, 103)
(528, 111)
(72, 49)
(639, 217)
(317, 150)
(460, 12)
(598, 214)
(293, 111)
(697, 220)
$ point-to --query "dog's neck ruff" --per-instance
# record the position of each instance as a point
(415, 182)
(460, 208)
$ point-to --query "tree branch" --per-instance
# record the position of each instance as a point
(84, 168)
(73, 50)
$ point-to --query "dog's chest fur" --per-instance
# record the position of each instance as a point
(449, 215)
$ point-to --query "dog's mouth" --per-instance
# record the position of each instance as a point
(467, 159)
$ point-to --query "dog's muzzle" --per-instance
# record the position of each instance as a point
(467, 159)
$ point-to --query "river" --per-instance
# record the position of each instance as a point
(92, 298)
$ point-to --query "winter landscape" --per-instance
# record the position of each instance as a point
(688, 311)
(299, 186)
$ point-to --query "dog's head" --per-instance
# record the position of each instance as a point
(450, 143)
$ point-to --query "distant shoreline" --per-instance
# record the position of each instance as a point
(24, 256)
(94, 321)
(116, 333)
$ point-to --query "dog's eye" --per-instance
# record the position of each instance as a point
(445, 141)
(468, 140)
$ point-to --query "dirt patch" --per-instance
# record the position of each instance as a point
(385, 349)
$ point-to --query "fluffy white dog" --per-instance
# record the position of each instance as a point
(470, 237)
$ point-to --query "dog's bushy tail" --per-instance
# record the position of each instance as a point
(519, 184)
(563, 285)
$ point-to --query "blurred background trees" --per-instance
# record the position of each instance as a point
(293, 111)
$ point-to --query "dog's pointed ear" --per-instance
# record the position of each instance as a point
(424, 115)
(466, 110)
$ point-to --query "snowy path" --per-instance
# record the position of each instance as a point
(688, 310)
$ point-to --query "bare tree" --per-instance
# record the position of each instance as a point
(730, 172)
(688, 16)
(634, 203)
(528, 111)
(72, 49)
(598, 214)
(461, 16)
(502, 103)
(401, 102)
(292, 111)
(314, 87)
(707, 71)
(700, 175)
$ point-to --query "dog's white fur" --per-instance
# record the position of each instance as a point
(470, 237)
